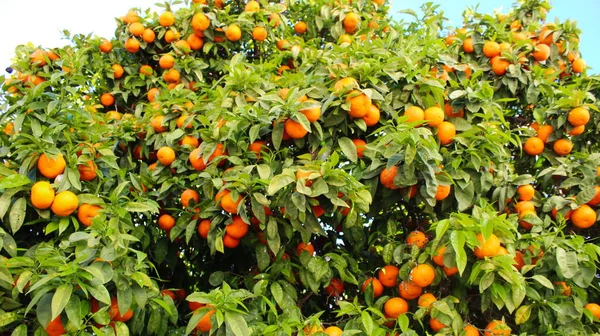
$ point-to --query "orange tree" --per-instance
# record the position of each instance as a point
(306, 167)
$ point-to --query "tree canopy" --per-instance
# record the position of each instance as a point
(314, 167)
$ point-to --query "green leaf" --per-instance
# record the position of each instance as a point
(16, 216)
(543, 281)
(458, 242)
(567, 262)
(236, 323)
(61, 298)
(522, 315)
(348, 148)
(141, 207)
(278, 182)
(100, 293)
(14, 181)
(7, 318)
(367, 322)
(21, 330)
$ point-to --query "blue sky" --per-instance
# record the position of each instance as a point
(40, 22)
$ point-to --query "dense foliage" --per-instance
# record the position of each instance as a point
(306, 167)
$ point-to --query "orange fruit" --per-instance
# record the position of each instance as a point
(372, 117)
(417, 238)
(426, 300)
(294, 129)
(499, 65)
(188, 195)
(335, 287)
(257, 146)
(200, 22)
(308, 247)
(524, 224)
(541, 52)
(87, 212)
(259, 33)
(42, 195)
(564, 288)
(166, 222)
(422, 275)
(107, 99)
(65, 203)
(376, 285)
(578, 65)
(149, 35)
(87, 171)
(534, 146)
(237, 229)
(487, 248)
(204, 228)
(414, 113)
(171, 36)
(446, 132)
(195, 42)
(351, 22)
(497, 328)
(544, 132)
(252, 6)
(470, 330)
(51, 167)
(438, 258)
(132, 45)
(577, 130)
(136, 29)
(166, 155)
(233, 33)
(562, 147)
(387, 175)
(443, 191)
(594, 308)
(227, 202)
(360, 104)
(434, 116)
(146, 70)
(204, 325)
(333, 331)
(409, 290)
(388, 275)
(300, 27)
(360, 145)
(152, 93)
(105, 46)
(579, 116)
(166, 19)
(312, 113)
(166, 61)
(344, 85)
(596, 199)
(468, 45)
(157, 124)
(395, 307)
(583, 217)
(436, 325)
(526, 192)
(55, 327)
(524, 206)
(491, 49)
(171, 76)
(449, 112)
(117, 71)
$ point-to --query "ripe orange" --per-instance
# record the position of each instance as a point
(166, 155)
(564, 288)
(434, 116)
(470, 330)
(388, 275)
(294, 129)
(450, 113)
(136, 29)
(107, 99)
(360, 104)
(487, 248)
(497, 328)
(312, 113)
(534, 146)
(409, 290)
(544, 132)
(376, 285)
(468, 45)
(594, 308)
(583, 217)
(259, 33)
(227, 202)
(335, 287)
(446, 132)
(387, 175)
(166, 19)
(426, 300)
(55, 327)
(117, 71)
(541, 52)
(596, 199)
(204, 228)
(438, 258)
(157, 124)
(171, 36)
(233, 33)
(417, 238)
(372, 117)
(351, 22)
(237, 229)
(204, 325)
(149, 35)
(491, 49)
(422, 275)
(578, 65)
(171, 76)
(414, 113)
(562, 147)
(188, 195)
(499, 65)
(42, 195)
(152, 93)
(360, 145)
(579, 116)
(300, 28)
(51, 167)
(526, 192)
(87, 212)
(252, 6)
(524, 224)
(257, 146)
(333, 331)
(146, 70)
(166, 61)
(65, 203)
(395, 307)
(105, 46)
(132, 45)
(200, 22)
(87, 171)
(443, 191)
(166, 222)
(195, 42)
(344, 85)
(308, 247)
(577, 130)
(436, 325)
